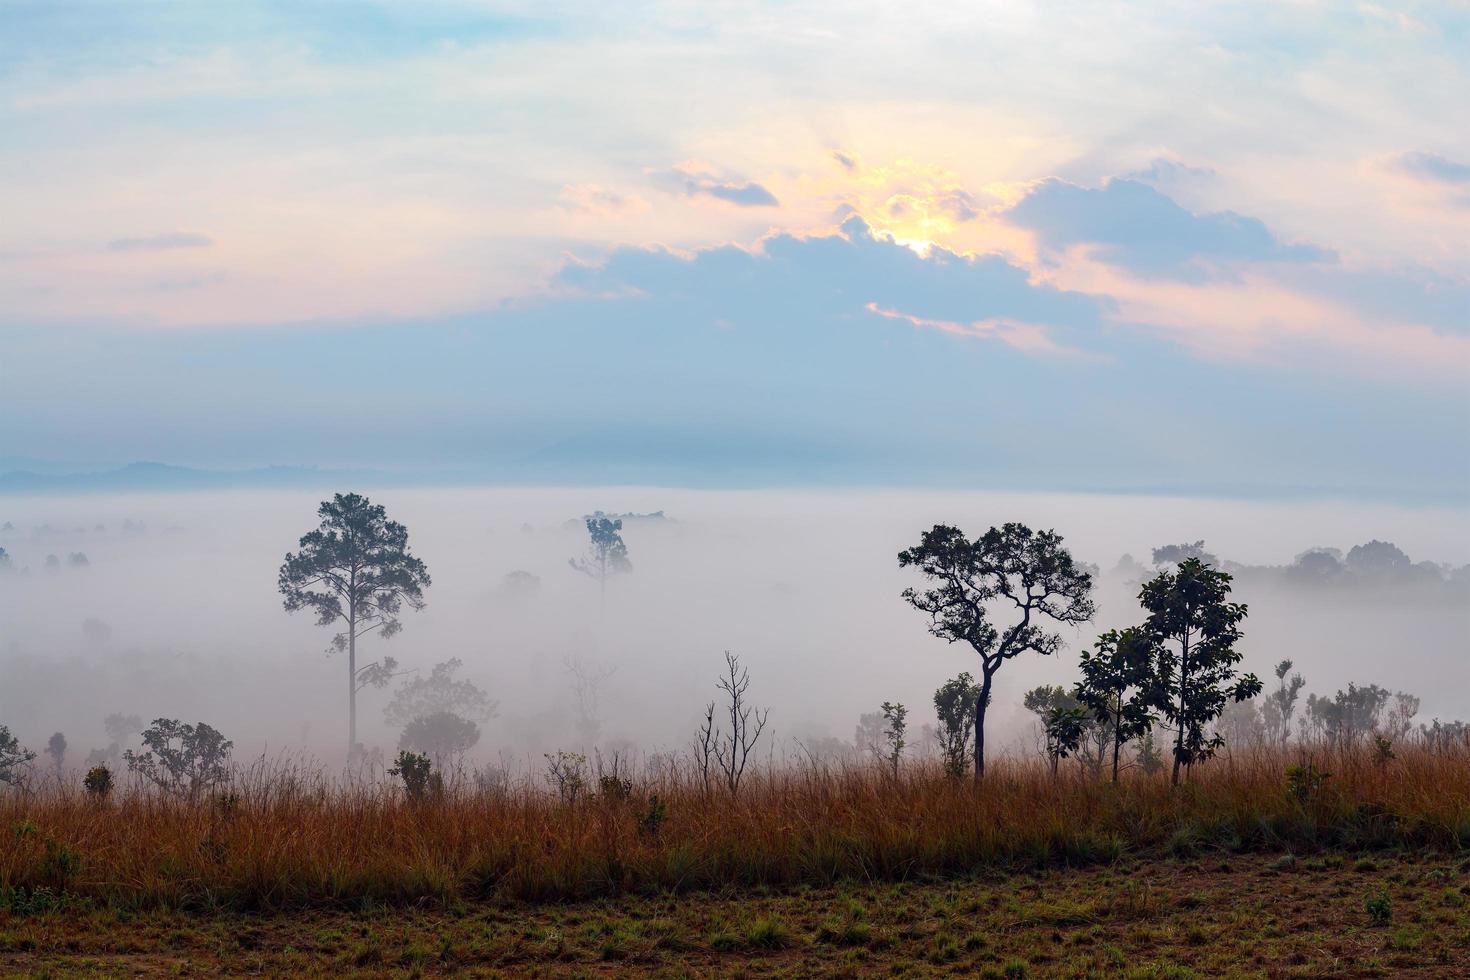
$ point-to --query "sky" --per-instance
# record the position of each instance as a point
(1206, 248)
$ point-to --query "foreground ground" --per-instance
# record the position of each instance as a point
(1236, 915)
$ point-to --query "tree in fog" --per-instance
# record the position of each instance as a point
(868, 736)
(606, 555)
(1117, 686)
(895, 731)
(14, 758)
(438, 713)
(355, 570)
(1351, 715)
(4, 560)
(1377, 559)
(1067, 727)
(182, 759)
(1175, 554)
(587, 681)
(56, 749)
(1280, 704)
(954, 705)
(1028, 573)
(1197, 627)
(729, 748)
(442, 736)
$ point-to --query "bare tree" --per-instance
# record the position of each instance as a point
(587, 680)
(732, 749)
(704, 743)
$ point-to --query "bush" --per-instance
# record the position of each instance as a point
(420, 781)
(1379, 908)
(98, 782)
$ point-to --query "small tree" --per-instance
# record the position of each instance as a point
(1117, 686)
(607, 555)
(1280, 704)
(355, 570)
(442, 736)
(56, 749)
(732, 748)
(1190, 609)
(954, 704)
(1057, 709)
(182, 759)
(895, 727)
(14, 758)
(1026, 571)
(1066, 729)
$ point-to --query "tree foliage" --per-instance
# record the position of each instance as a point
(954, 704)
(14, 758)
(1027, 573)
(1119, 686)
(182, 759)
(1196, 626)
(441, 736)
(440, 692)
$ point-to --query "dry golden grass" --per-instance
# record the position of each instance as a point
(286, 838)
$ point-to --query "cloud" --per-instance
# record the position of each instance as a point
(846, 161)
(697, 182)
(1167, 170)
(855, 273)
(594, 199)
(1133, 226)
(1432, 167)
(1032, 338)
(162, 242)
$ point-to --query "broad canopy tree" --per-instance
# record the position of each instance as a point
(1028, 573)
(355, 570)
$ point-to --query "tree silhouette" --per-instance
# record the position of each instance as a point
(1118, 686)
(1026, 571)
(1190, 608)
(354, 569)
(607, 555)
(954, 705)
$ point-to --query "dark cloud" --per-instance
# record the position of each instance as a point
(839, 275)
(695, 183)
(1432, 166)
(846, 161)
(1135, 227)
(1163, 170)
(155, 243)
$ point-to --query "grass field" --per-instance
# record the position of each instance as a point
(1246, 870)
(1253, 915)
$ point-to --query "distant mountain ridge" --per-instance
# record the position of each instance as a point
(162, 476)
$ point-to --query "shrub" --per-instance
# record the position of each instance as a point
(653, 816)
(1304, 783)
(420, 781)
(1379, 908)
(98, 782)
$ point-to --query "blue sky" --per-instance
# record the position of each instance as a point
(1221, 249)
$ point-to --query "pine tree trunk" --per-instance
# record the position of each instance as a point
(352, 686)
